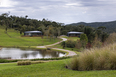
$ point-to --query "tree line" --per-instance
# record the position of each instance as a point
(111, 25)
(49, 28)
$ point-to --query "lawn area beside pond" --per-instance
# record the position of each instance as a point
(13, 38)
(49, 69)
(68, 38)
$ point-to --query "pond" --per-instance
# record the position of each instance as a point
(16, 53)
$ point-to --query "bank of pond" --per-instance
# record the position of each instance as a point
(18, 54)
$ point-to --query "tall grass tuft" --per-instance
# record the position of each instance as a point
(96, 59)
(24, 63)
(74, 64)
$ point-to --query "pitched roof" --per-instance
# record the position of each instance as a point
(72, 32)
(32, 32)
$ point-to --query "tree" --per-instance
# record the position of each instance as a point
(104, 36)
(101, 27)
(83, 40)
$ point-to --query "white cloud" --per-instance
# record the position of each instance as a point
(65, 11)
(7, 3)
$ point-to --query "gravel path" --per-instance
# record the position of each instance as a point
(71, 53)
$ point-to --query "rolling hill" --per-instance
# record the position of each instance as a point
(110, 26)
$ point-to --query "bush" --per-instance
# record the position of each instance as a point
(78, 44)
(95, 59)
(24, 63)
(63, 44)
(74, 64)
(3, 61)
(70, 44)
(111, 39)
(96, 43)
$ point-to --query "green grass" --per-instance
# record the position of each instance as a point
(69, 38)
(13, 38)
(49, 69)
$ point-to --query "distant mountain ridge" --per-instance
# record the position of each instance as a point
(110, 26)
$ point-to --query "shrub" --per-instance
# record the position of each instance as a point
(96, 43)
(70, 44)
(95, 59)
(3, 61)
(63, 44)
(24, 63)
(78, 44)
(74, 64)
(111, 39)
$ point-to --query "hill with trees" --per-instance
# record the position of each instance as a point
(110, 26)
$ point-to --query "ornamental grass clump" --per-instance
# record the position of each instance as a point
(95, 59)
(24, 63)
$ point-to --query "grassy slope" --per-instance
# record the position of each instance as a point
(13, 38)
(50, 69)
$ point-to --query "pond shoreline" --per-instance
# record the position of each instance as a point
(68, 52)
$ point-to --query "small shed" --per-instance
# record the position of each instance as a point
(32, 33)
(74, 34)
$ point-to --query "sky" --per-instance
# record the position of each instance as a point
(62, 11)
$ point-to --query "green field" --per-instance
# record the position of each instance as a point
(13, 38)
(49, 69)
(68, 38)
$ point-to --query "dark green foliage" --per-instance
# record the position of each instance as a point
(104, 36)
(70, 44)
(57, 58)
(24, 24)
(63, 44)
(3, 61)
(83, 40)
(110, 26)
(90, 32)
(7, 61)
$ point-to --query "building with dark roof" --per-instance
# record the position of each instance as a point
(74, 34)
(32, 33)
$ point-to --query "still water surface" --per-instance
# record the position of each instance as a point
(16, 53)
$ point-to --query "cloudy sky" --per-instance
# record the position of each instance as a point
(63, 11)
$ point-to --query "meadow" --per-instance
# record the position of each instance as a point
(55, 68)
(49, 69)
(13, 38)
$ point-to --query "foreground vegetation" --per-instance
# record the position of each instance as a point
(49, 69)
(97, 58)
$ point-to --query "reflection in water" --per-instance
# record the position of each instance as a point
(15, 53)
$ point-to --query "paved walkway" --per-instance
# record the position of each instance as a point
(71, 53)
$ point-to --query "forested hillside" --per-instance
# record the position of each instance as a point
(110, 26)
(23, 24)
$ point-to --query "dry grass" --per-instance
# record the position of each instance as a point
(96, 59)
(29, 62)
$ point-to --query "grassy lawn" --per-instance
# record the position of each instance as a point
(49, 69)
(13, 38)
(69, 38)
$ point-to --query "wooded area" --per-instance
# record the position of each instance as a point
(49, 28)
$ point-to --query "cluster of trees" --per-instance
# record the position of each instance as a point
(91, 37)
(50, 28)
(24, 24)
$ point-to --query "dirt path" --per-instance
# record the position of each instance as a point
(71, 53)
